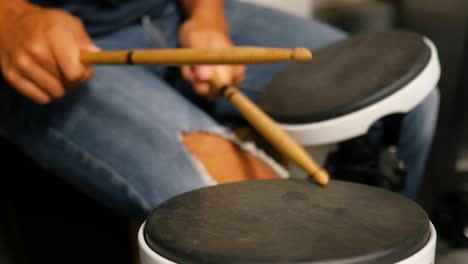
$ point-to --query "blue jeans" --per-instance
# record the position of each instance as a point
(118, 137)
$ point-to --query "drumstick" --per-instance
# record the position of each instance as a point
(182, 56)
(271, 131)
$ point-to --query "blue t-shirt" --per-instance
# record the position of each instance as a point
(103, 16)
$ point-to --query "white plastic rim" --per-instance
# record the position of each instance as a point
(427, 254)
(358, 123)
(147, 255)
(424, 256)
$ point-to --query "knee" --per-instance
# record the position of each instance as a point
(224, 160)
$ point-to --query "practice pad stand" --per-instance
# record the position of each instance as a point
(371, 161)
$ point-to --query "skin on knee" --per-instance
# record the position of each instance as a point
(224, 160)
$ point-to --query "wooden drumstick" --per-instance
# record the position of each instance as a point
(271, 131)
(182, 56)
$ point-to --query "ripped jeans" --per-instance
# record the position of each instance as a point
(118, 137)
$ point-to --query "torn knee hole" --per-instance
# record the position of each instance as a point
(224, 160)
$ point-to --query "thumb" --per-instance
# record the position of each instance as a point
(221, 77)
(224, 74)
(91, 47)
(85, 43)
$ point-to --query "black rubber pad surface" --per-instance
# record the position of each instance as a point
(345, 77)
(287, 221)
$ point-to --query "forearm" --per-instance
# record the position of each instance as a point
(209, 12)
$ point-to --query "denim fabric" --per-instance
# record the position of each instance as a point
(415, 142)
(117, 138)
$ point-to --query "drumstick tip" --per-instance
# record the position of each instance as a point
(322, 177)
(301, 54)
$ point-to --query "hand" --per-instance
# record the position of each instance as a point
(40, 52)
(196, 34)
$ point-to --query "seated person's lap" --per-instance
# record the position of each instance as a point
(118, 138)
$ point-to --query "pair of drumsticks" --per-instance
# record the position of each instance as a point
(237, 55)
